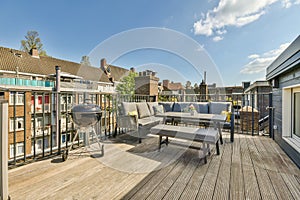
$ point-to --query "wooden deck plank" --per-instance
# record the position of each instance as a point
(206, 190)
(145, 187)
(274, 157)
(280, 187)
(250, 180)
(288, 163)
(246, 168)
(223, 181)
(177, 188)
(57, 180)
(236, 179)
(292, 184)
(192, 187)
(162, 188)
(257, 153)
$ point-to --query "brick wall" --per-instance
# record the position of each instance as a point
(20, 113)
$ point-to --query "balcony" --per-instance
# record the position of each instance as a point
(25, 82)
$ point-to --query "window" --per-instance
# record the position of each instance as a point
(291, 116)
(19, 98)
(19, 149)
(80, 98)
(19, 124)
(1, 95)
(39, 145)
(296, 113)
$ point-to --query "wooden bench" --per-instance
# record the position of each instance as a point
(206, 136)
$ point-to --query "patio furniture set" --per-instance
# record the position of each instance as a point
(176, 120)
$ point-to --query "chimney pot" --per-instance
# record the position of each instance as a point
(34, 53)
(103, 63)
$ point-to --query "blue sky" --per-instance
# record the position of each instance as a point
(238, 38)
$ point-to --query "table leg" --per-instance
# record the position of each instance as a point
(159, 142)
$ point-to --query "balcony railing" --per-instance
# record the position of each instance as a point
(25, 82)
(79, 86)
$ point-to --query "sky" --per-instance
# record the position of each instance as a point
(232, 41)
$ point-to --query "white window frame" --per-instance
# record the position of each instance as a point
(19, 98)
(11, 148)
(293, 113)
(288, 116)
(18, 119)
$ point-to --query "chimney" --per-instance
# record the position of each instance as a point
(166, 83)
(103, 63)
(34, 53)
(132, 69)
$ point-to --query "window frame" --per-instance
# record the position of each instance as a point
(19, 101)
(11, 149)
(288, 116)
(11, 123)
(293, 135)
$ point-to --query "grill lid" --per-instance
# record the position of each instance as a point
(86, 114)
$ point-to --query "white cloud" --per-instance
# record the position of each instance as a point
(286, 3)
(259, 63)
(253, 56)
(221, 32)
(217, 38)
(233, 13)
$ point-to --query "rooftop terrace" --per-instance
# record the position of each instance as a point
(252, 167)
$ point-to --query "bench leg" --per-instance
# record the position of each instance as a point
(208, 149)
(204, 150)
(218, 148)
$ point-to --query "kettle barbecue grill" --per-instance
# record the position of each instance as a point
(84, 115)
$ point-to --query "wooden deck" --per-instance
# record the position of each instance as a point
(249, 168)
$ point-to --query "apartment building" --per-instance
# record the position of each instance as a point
(27, 81)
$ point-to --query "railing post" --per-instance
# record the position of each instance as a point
(271, 116)
(57, 108)
(232, 124)
(25, 131)
(4, 150)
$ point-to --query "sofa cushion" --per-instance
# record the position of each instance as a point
(202, 107)
(159, 109)
(168, 106)
(128, 107)
(143, 110)
(181, 106)
(218, 107)
(151, 105)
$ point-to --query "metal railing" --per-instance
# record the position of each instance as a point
(254, 120)
(44, 141)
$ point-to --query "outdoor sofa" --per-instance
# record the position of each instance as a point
(140, 117)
